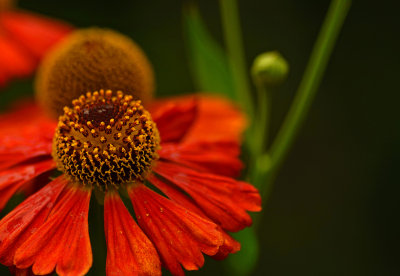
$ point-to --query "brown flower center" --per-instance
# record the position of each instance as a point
(88, 60)
(6, 4)
(106, 139)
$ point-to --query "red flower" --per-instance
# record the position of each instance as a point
(191, 204)
(24, 40)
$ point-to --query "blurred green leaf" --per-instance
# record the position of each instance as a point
(14, 91)
(208, 62)
(243, 262)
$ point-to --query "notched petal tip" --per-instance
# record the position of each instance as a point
(129, 251)
(52, 246)
(228, 247)
(223, 199)
(179, 235)
(26, 218)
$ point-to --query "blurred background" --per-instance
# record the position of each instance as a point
(334, 208)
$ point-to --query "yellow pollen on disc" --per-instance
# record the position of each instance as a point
(105, 139)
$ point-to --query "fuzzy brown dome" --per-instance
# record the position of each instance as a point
(6, 4)
(90, 60)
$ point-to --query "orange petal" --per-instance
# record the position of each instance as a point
(26, 114)
(174, 118)
(14, 60)
(229, 246)
(179, 235)
(36, 33)
(218, 119)
(214, 157)
(24, 133)
(3, 77)
(16, 148)
(13, 179)
(25, 219)
(129, 251)
(223, 199)
(62, 242)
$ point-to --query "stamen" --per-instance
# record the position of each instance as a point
(106, 140)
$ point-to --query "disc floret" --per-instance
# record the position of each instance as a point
(106, 139)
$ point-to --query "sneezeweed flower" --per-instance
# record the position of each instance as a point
(175, 160)
(24, 39)
(195, 202)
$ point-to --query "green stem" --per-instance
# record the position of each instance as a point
(262, 120)
(312, 78)
(234, 44)
(97, 236)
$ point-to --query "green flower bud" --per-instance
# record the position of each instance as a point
(269, 68)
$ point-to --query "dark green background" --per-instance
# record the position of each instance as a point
(334, 209)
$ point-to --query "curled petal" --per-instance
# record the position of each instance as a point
(62, 242)
(26, 218)
(129, 251)
(174, 118)
(223, 199)
(179, 235)
(13, 179)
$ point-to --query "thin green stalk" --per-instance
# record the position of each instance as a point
(234, 44)
(262, 120)
(309, 84)
(97, 236)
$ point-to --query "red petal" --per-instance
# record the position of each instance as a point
(26, 115)
(178, 234)
(15, 149)
(174, 118)
(129, 251)
(176, 195)
(22, 110)
(3, 77)
(229, 246)
(218, 119)
(14, 61)
(62, 242)
(213, 157)
(38, 34)
(223, 199)
(24, 133)
(25, 219)
(13, 179)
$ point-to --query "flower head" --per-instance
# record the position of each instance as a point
(195, 202)
(174, 159)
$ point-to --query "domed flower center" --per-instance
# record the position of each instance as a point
(106, 139)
